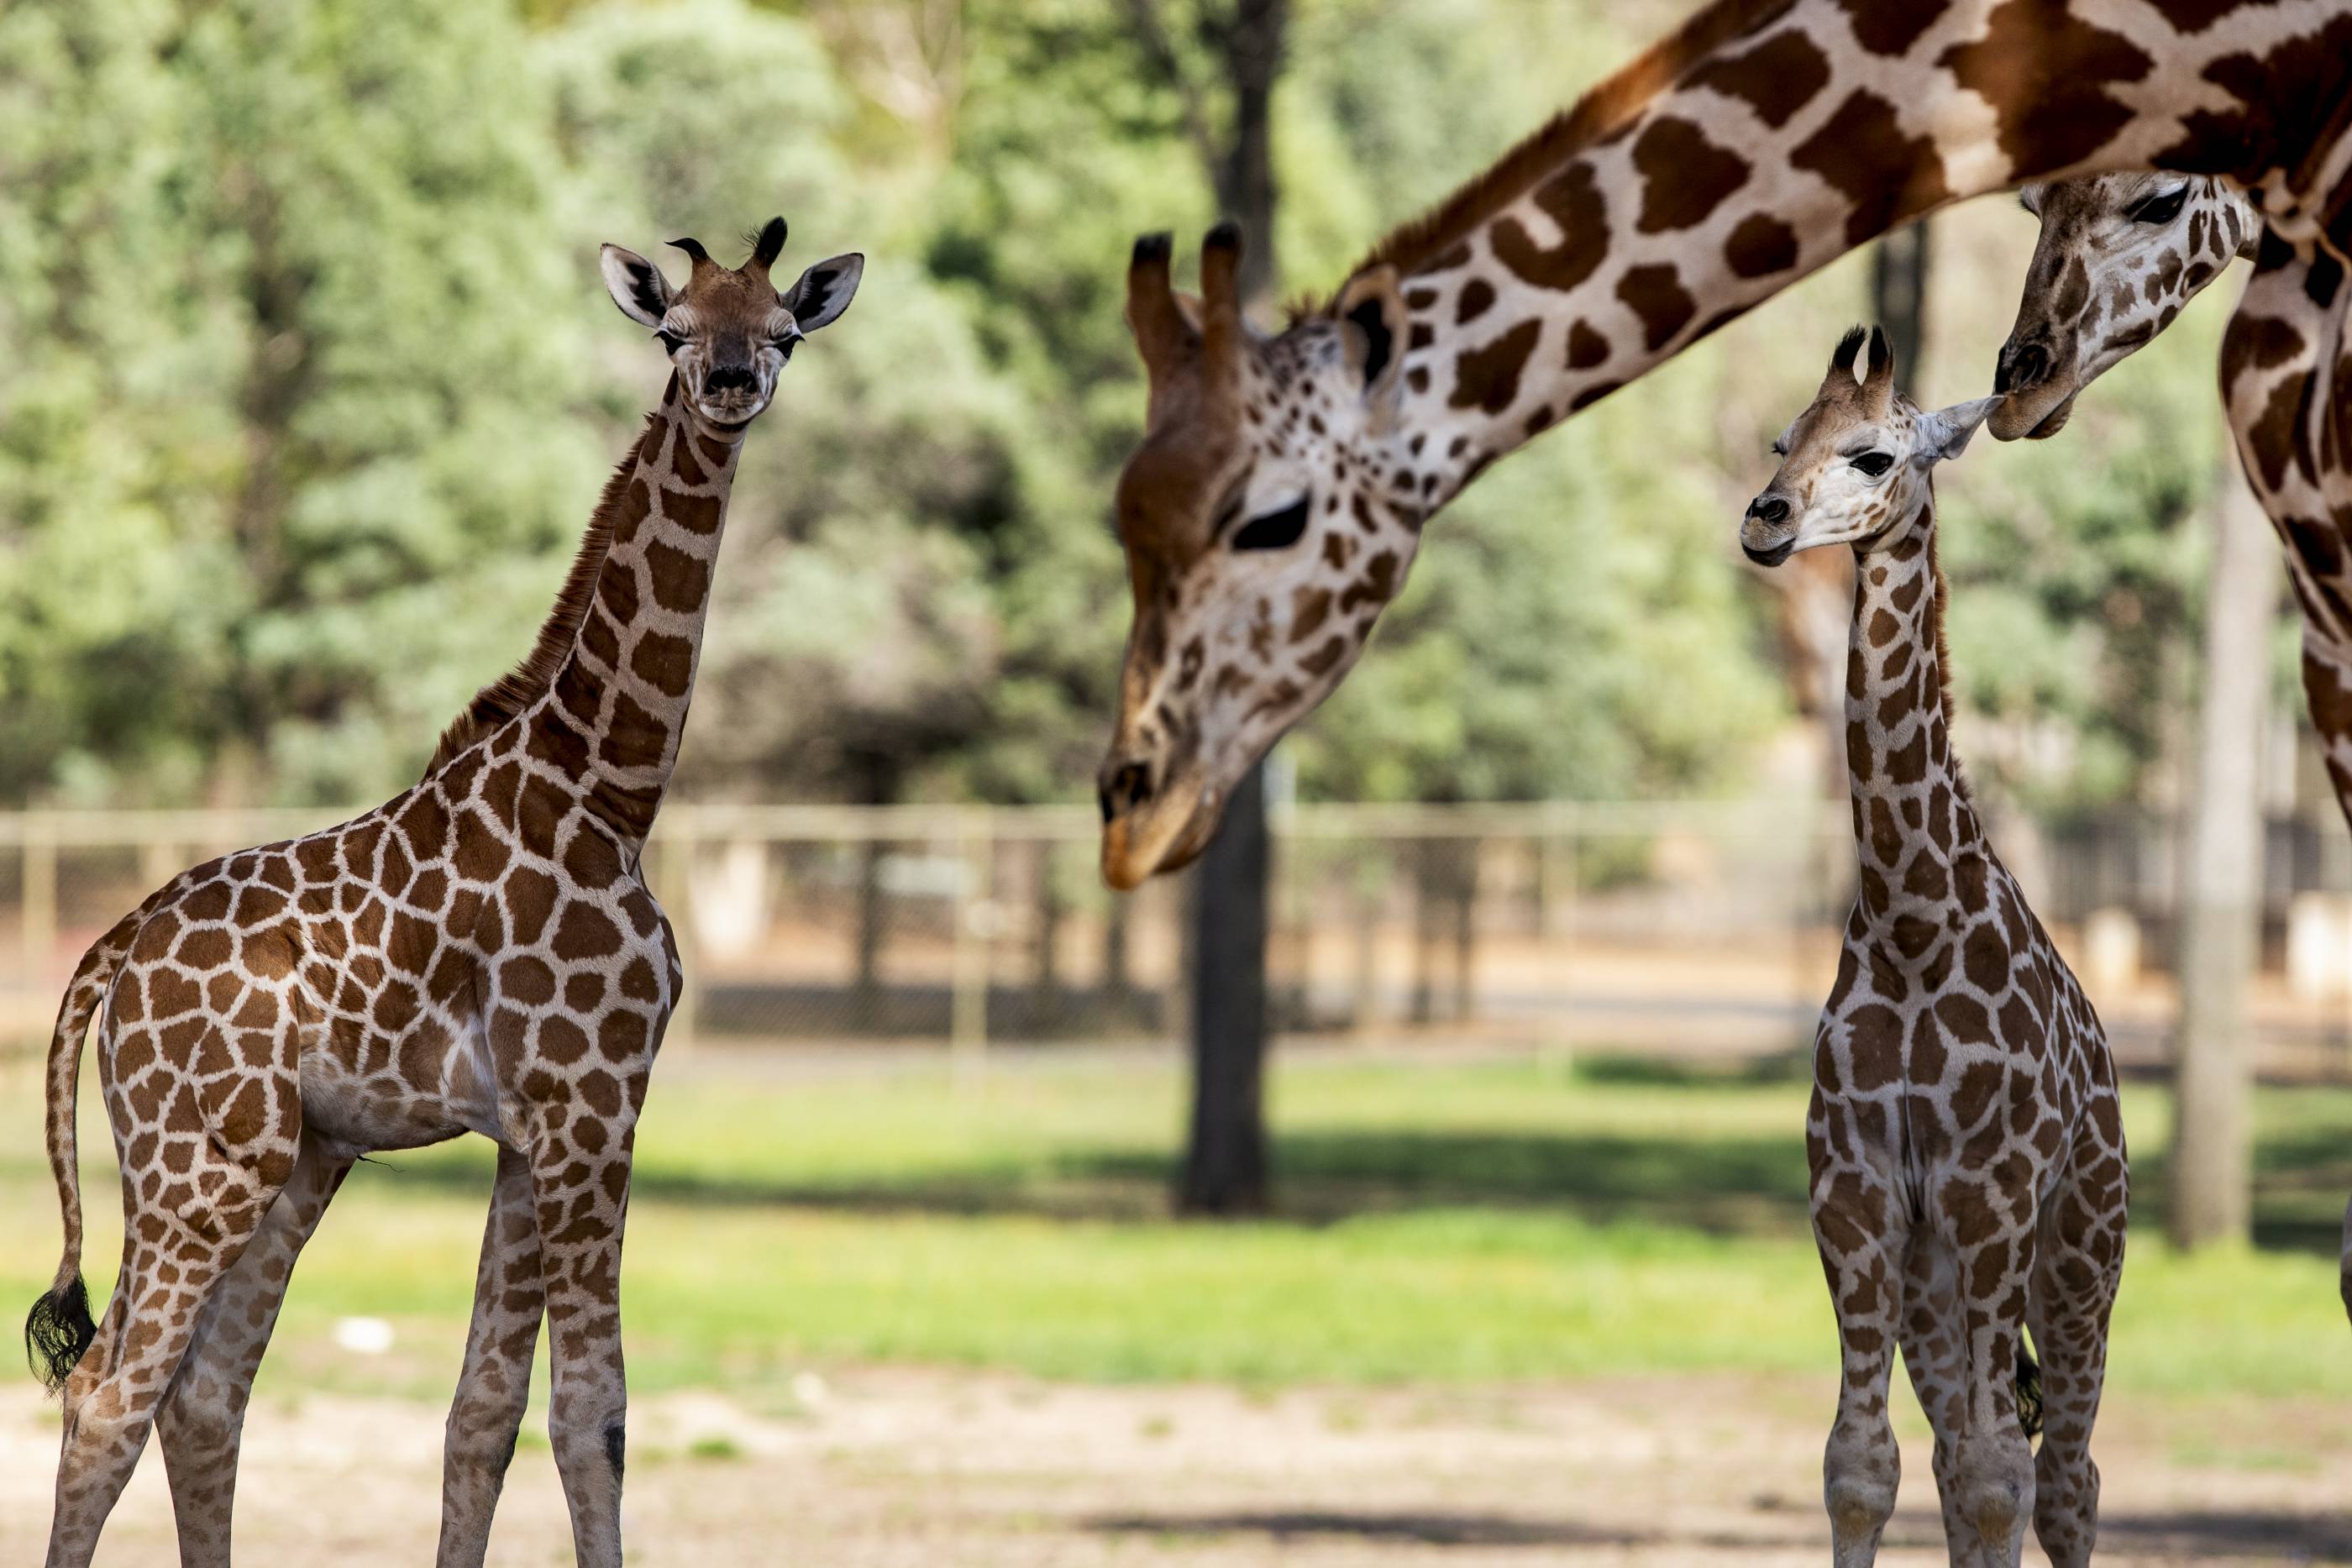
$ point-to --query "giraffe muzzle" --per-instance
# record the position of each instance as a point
(1761, 535)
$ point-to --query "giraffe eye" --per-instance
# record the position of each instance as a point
(671, 342)
(2160, 208)
(1873, 463)
(1275, 530)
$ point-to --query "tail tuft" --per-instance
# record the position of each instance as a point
(58, 1330)
(2029, 1391)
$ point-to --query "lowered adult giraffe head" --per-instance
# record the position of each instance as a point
(1266, 524)
(1855, 466)
(2118, 257)
(729, 333)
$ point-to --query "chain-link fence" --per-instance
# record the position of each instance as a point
(1679, 927)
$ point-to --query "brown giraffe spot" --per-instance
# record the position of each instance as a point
(1478, 299)
(1686, 176)
(540, 813)
(1914, 935)
(1655, 294)
(636, 503)
(586, 932)
(602, 638)
(2045, 71)
(1759, 247)
(1309, 607)
(1586, 347)
(621, 1034)
(1572, 200)
(1320, 660)
(561, 1041)
(1776, 79)
(527, 979)
(1488, 377)
(680, 582)
(1873, 1048)
(1887, 176)
(1927, 1053)
(1377, 587)
(1892, 29)
(664, 663)
(696, 514)
(530, 901)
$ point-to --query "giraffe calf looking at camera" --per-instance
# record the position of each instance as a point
(1967, 1150)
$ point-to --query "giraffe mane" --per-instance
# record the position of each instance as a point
(1601, 111)
(1943, 591)
(524, 685)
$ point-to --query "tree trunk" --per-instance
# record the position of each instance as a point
(1465, 928)
(1045, 987)
(1117, 985)
(2222, 883)
(1899, 299)
(1226, 1153)
(1423, 1009)
(866, 991)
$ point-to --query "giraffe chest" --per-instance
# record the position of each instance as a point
(1980, 1050)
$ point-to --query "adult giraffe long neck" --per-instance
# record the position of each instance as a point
(612, 710)
(1764, 139)
(1914, 826)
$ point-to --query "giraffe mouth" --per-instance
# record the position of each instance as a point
(2028, 414)
(1165, 834)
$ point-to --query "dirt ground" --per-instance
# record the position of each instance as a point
(895, 1469)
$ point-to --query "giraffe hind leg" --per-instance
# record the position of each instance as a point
(1932, 1327)
(200, 1423)
(158, 1301)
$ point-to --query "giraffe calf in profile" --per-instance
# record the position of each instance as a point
(1966, 1147)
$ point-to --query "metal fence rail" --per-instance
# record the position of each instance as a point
(1685, 926)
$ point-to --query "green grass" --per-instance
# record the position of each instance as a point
(1441, 1222)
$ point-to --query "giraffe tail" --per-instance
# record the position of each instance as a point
(59, 1328)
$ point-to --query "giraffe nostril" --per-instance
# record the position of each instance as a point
(2028, 366)
(1124, 789)
(1769, 510)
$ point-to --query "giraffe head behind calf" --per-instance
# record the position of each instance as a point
(2118, 257)
(1855, 466)
(1264, 533)
(729, 333)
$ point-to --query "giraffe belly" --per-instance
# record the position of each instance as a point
(373, 1092)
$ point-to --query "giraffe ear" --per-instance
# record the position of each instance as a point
(1944, 433)
(824, 290)
(638, 286)
(1371, 313)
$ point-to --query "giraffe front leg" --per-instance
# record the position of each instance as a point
(1861, 1468)
(581, 1199)
(202, 1419)
(495, 1387)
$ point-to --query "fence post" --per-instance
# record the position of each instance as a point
(39, 894)
(673, 886)
(968, 1016)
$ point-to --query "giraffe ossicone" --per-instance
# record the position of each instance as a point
(480, 954)
(1964, 1140)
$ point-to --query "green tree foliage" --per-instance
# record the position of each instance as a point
(310, 383)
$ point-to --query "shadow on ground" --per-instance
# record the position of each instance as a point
(2301, 1538)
